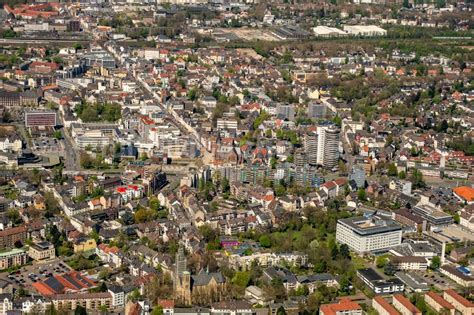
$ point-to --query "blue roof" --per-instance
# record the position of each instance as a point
(464, 270)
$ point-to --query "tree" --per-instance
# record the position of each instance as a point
(361, 194)
(402, 175)
(265, 241)
(392, 170)
(344, 251)
(281, 311)
(14, 216)
(241, 279)
(193, 94)
(435, 263)
(157, 310)
(390, 269)
(381, 261)
(80, 310)
(280, 190)
(417, 179)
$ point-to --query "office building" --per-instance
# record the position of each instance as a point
(413, 282)
(378, 284)
(37, 118)
(434, 217)
(371, 234)
(42, 250)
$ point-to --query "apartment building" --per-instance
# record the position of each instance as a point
(461, 304)
(383, 307)
(267, 260)
(404, 306)
(10, 236)
(12, 258)
(365, 235)
(89, 301)
(345, 306)
(439, 304)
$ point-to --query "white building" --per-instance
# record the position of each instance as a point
(364, 30)
(10, 144)
(328, 145)
(373, 234)
(326, 31)
(118, 296)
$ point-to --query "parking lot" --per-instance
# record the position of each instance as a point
(35, 272)
(436, 279)
(47, 144)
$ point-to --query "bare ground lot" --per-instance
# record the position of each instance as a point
(251, 34)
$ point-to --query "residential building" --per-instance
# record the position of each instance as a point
(383, 307)
(89, 301)
(404, 306)
(9, 237)
(267, 260)
(231, 308)
(372, 234)
(311, 147)
(117, 294)
(84, 244)
(461, 304)
(344, 306)
(328, 145)
(12, 258)
(407, 218)
(6, 303)
(439, 304)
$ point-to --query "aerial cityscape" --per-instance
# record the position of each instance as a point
(218, 157)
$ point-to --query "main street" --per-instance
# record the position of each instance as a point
(171, 114)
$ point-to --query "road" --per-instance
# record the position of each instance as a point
(41, 41)
(71, 152)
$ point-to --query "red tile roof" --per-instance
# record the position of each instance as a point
(440, 301)
(407, 304)
(390, 310)
(459, 298)
(345, 304)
